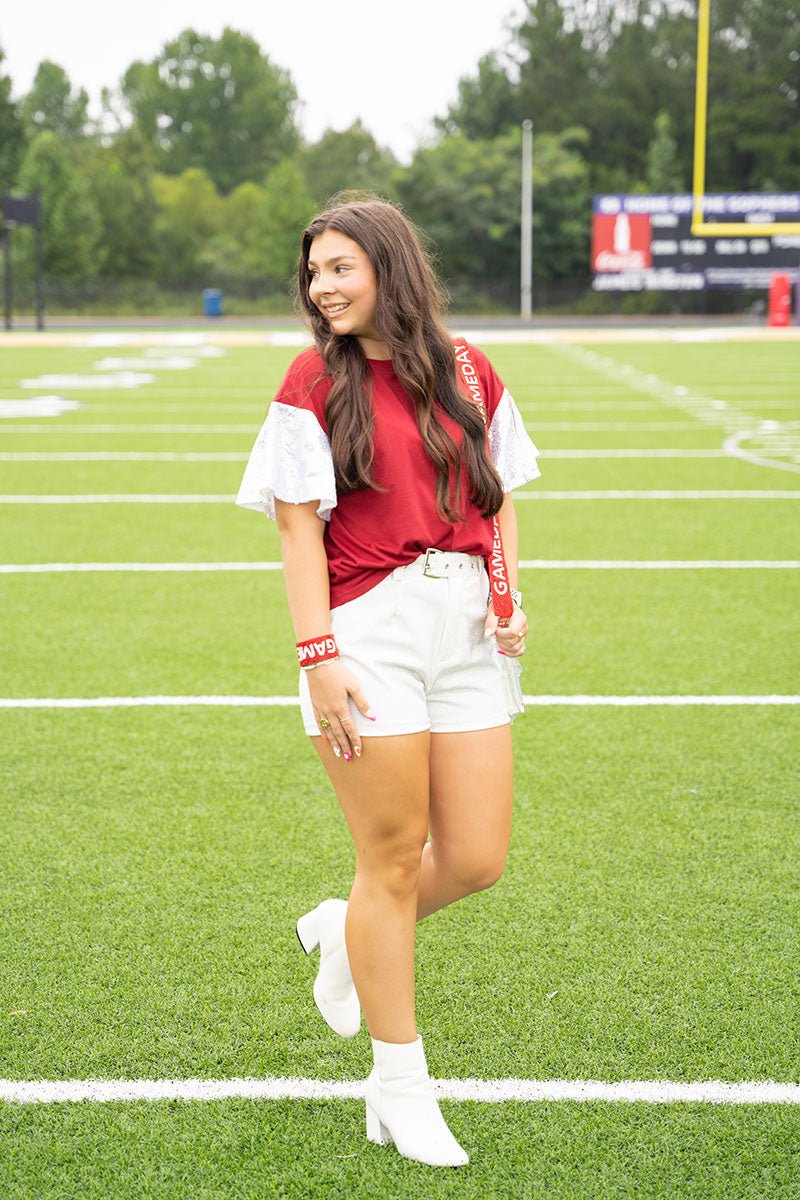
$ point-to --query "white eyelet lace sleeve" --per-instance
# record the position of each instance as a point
(512, 451)
(291, 460)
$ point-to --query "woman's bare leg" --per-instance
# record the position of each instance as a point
(384, 797)
(472, 784)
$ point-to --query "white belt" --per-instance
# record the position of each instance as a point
(438, 564)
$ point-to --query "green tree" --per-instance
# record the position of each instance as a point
(12, 136)
(350, 159)
(121, 177)
(52, 105)
(71, 226)
(189, 218)
(754, 96)
(487, 103)
(663, 172)
(285, 209)
(466, 196)
(216, 104)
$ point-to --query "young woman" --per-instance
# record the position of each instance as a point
(374, 460)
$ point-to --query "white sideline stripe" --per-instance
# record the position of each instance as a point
(170, 456)
(293, 701)
(661, 494)
(127, 456)
(486, 1091)
(47, 568)
(61, 428)
(537, 564)
(638, 564)
(606, 494)
(550, 426)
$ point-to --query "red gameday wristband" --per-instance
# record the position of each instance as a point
(317, 650)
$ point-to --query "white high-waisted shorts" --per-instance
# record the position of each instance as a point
(415, 643)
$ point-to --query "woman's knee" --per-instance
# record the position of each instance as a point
(393, 864)
(477, 873)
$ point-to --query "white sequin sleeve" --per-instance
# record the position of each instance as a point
(512, 451)
(291, 460)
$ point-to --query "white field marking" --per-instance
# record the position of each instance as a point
(486, 1091)
(614, 405)
(602, 426)
(210, 498)
(294, 702)
(639, 564)
(595, 334)
(37, 406)
(179, 406)
(145, 338)
(81, 429)
(122, 498)
(123, 456)
(632, 453)
(704, 408)
(242, 456)
(155, 567)
(710, 410)
(727, 494)
(526, 564)
(780, 440)
(175, 362)
(121, 379)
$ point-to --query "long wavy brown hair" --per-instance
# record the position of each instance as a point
(409, 318)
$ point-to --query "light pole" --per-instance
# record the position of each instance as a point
(526, 222)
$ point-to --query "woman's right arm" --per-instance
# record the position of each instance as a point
(305, 571)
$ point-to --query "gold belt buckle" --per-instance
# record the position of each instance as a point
(427, 569)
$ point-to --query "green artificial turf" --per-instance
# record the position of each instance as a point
(154, 860)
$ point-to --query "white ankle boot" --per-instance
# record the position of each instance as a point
(402, 1107)
(334, 991)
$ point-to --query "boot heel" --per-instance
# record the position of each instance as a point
(376, 1130)
(307, 930)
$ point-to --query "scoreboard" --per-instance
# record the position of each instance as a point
(645, 243)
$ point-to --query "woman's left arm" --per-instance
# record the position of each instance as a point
(507, 518)
(511, 638)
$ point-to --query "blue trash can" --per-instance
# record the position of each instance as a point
(212, 302)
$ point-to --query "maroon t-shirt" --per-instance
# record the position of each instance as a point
(371, 532)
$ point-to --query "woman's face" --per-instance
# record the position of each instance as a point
(342, 284)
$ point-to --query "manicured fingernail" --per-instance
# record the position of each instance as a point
(337, 752)
(358, 751)
(502, 652)
(370, 715)
(346, 757)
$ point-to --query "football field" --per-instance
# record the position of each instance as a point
(618, 1017)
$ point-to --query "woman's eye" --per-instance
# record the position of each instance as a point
(342, 268)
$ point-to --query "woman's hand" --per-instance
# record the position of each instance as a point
(510, 638)
(330, 687)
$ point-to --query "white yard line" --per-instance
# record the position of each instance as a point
(293, 701)
(486, 1091)
(675, 494)
(167, 456)
(60, 428)
(173, 456)
(550, 426)
(608, 494)
(534, 564)
(708, 409)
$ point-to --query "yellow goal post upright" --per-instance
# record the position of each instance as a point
(701, 227)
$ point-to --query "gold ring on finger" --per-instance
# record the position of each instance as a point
(324, 724)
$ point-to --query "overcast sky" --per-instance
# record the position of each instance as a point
(395, 67)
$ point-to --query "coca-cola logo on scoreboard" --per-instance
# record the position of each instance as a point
(621, 242)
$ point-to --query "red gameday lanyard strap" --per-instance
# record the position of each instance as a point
(502, 603)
